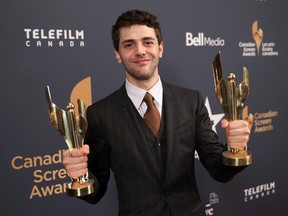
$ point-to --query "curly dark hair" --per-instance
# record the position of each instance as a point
(133, 17)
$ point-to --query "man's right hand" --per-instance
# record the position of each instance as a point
(75, 161)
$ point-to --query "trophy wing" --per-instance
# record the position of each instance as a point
(242, 91)
(81, 122)
(58, 119)
(220, 85)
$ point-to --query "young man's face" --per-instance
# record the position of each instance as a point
(139, 52)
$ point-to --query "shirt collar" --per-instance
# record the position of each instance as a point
(137, 94)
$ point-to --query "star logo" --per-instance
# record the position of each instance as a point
(214, 118)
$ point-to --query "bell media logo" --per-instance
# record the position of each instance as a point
(259, 46)
(201, 40)
(54, 37)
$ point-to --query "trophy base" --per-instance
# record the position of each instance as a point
(76, 189)
(240, 158)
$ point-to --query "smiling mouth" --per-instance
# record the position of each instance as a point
(141, 61)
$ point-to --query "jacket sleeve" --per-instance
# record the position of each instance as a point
(98, 158)
(209, 147)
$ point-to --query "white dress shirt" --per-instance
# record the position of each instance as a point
(137, 94)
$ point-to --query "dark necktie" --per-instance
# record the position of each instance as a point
(152, 115)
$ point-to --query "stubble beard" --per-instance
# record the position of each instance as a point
(139, 75)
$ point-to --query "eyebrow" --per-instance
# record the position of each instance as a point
(143, 39)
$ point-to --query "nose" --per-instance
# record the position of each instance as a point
(140, 50)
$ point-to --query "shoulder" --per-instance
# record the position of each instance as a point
(110, 100)
(179, 91)
(184, 97)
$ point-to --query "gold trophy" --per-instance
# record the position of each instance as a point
(232, 105)
(73, 130)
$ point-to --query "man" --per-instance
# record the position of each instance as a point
(154, 171)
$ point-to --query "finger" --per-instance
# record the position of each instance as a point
(77, 167)
(237, 146)
(250, 120)
(66, 153)
(76, 173)
(238, 124)
(238, 141)
(75, 170)
(77, 152)
(74, 160)
(86, 149)
(224, 123)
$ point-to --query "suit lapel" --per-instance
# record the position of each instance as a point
(169, 109)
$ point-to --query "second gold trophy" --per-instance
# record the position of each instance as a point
(231, 99)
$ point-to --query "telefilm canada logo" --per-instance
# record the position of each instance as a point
(201, 40)
(259, 46)
(259, 191)
(54, 37)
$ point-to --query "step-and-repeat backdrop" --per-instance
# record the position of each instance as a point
(67, 45)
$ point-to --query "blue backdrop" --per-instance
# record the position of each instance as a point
(60, 43)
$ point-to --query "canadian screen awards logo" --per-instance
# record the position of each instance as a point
(54, 37)
(263, 121)
(259, 46)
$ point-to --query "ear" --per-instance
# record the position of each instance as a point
(161, 49)
(117, 55)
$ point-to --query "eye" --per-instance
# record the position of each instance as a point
(148, 43)
(128, 45)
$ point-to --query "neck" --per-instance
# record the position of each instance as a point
(144, 84)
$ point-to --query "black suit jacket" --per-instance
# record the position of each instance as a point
(116, 141)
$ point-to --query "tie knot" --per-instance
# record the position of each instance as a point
(148, 98)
